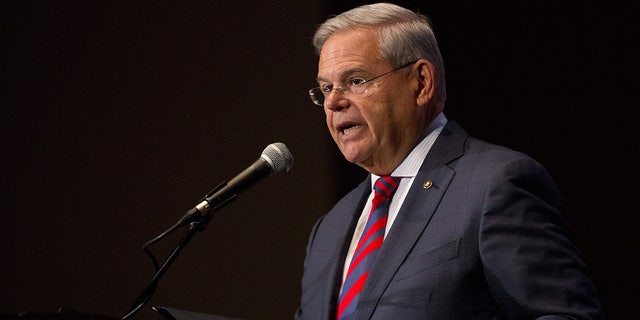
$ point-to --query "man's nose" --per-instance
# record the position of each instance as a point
(335, 100)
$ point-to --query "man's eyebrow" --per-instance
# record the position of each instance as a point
(344, 74)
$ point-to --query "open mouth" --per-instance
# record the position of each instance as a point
(348, 128)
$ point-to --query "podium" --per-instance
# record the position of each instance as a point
(164, 312)
(177, 314)
(53, 316)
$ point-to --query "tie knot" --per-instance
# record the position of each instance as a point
(386, 185)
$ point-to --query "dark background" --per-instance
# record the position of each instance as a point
(117, 116)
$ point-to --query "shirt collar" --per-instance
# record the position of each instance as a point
(411, 164)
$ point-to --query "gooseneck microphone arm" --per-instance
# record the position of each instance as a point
(194, 226)
(275, 159)
(150, 289)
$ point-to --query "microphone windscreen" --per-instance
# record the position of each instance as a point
(278, 157)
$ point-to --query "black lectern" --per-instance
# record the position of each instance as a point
(177, 314)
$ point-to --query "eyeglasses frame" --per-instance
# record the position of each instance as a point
(365, 82)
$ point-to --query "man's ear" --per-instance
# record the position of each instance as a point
(426, 82)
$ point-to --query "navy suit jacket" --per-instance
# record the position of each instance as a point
(487, 240)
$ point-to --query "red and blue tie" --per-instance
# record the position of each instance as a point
(368, 246)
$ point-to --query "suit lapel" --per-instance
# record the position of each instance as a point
(423, 198)
(340, 223)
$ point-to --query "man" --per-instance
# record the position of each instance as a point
(471, 230)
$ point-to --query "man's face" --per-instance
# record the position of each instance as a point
(377, 129)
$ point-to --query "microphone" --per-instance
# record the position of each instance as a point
(275, 159)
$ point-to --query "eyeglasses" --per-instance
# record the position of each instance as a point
(354, 86)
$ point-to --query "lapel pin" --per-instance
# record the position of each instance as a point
(427, 184)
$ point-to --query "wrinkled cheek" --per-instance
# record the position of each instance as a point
(328, 121)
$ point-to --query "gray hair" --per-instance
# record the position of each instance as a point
(404, 36)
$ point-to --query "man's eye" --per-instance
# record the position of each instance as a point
(356, 82)
(326, 89)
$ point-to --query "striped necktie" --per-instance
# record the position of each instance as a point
(368, 246)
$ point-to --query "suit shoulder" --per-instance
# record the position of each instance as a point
(485, 153)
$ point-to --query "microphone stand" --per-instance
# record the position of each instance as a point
(194, 227)
(150, 289)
